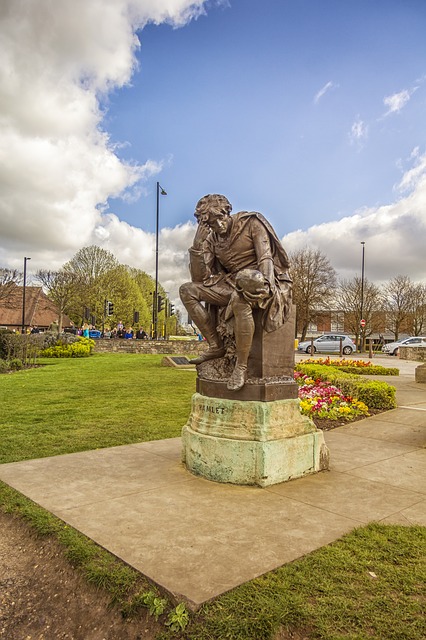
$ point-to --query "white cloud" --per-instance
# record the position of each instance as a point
(57, 165)
(323, 91)
(394, 234)
(358, 132)
(396, 101)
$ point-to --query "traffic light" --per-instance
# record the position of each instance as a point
(110, 308)
(171, 309)
(135, 317)
(160, 303)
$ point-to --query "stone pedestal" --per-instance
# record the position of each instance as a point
(420, 373)
(269, 371)
(251, 442)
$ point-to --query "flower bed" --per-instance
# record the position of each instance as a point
(377, 395)
(322, 400)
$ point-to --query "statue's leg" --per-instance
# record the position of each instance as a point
(244, 331)
(192, 295)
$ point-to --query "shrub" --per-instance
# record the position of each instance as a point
(80, 348)
(373, 393)
(24, 347)
(15, 364)
(4, 367)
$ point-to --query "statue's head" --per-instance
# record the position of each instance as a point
(211, 206)
(214, 210)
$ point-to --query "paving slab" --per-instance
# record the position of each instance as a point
(349, 451)
(410, 434)
(337, 493)
(408, 471)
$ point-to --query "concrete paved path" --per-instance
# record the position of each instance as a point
(198, 539)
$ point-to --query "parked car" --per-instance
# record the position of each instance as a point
(328, 343)
(94, 333)
(414, 341)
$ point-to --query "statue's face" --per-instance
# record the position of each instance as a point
(220, 223)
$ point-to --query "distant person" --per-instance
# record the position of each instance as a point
(128, 334)
(35, 329)
(86, 330)
(141, 334)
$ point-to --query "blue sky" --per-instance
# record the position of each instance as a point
(232, 104)
(310, 111)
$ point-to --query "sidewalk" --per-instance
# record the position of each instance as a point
(198, 539)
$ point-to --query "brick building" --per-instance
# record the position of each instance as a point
(39, 310)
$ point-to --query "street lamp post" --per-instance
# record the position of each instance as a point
(23, 295)
(362, 322)
(160, 191)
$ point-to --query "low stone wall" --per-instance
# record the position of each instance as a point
(413, 353)
(121, 345)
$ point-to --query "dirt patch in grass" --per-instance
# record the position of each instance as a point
(42, 597)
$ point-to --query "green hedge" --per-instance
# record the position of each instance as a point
(375, 394)
(371, 370)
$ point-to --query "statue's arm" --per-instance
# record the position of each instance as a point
(200, 257)
(262, 246)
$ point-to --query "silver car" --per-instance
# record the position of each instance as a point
(392, 347)
(328, 343)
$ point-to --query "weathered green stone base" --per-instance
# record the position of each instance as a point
(251, 443)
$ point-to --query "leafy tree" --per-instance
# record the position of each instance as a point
(146, 285)
(89, 268)
(314, 281)
(118, 286)
(90, 263)
(98, 278)
(349, 301)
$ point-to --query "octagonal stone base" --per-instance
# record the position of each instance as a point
(251, 442)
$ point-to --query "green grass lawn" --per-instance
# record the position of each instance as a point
(369, 584)
(75, 404)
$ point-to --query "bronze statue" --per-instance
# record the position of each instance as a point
(237, 264)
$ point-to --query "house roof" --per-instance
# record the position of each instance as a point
(39, 310)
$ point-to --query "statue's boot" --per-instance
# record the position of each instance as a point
(238, 377)
(204, 322)
(244, 331)
(212, 353)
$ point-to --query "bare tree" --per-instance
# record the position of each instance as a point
(349, 301)
(398, 303)
(314, 281)
(9, 279)
(417, 319)
(60, 287)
